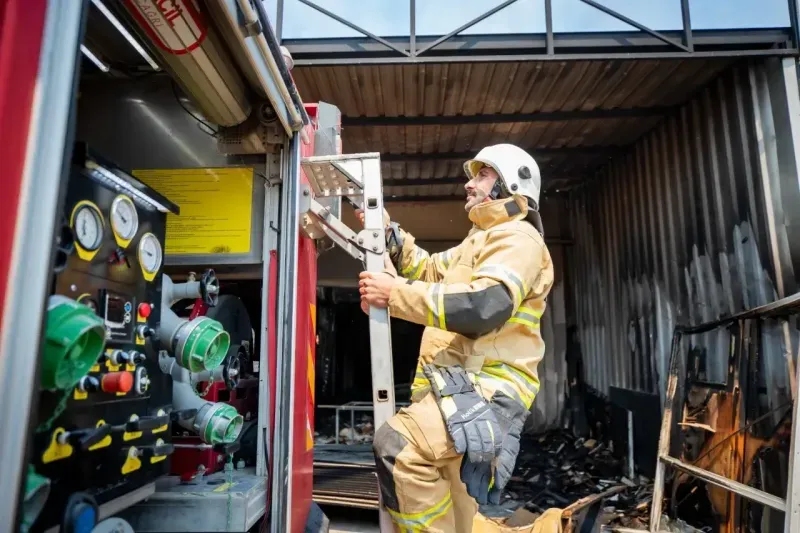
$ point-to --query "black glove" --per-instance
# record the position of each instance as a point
(394, 243)
(511, 416)
(470, 422)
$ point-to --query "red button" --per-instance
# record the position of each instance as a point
(117, 382)
(144, 310)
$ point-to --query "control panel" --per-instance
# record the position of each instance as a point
(105, 410)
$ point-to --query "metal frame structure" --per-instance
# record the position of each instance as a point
(357, 177)
(352, 407)
(745, 321)
(453, 47)
(48, 145)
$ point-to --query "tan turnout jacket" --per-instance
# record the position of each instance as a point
(482, 301)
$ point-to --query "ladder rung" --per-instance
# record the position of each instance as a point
(336, 175)
(728, 484)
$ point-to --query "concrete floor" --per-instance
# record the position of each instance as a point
(344, 520)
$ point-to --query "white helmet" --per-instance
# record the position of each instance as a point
(518, 171)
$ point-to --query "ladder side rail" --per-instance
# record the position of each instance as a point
(380, 335)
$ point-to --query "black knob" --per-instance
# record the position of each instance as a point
(89, 384)
(135, 358)
(145, 331)
(117, 357)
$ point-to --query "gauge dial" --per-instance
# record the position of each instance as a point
(88, 227)
(150, 253)
(124, 218)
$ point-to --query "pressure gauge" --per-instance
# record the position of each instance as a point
(150, 255)
(124, 219)
(87, 223)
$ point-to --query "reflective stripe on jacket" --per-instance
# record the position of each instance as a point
(482, 301)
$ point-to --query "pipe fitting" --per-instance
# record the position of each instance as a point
(198, 345)
(214, 422)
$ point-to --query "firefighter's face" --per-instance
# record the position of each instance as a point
(480, 186)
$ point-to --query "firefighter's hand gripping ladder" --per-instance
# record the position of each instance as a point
(357, 177)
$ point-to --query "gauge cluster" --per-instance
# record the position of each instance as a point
(105, 409)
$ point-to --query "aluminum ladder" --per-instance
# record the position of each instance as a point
(357, 178)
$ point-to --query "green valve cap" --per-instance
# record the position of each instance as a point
(224, 425)
(205, 346)
(74, 340)
(37, 490)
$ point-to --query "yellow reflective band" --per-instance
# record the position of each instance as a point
(446, 259)
(436, 306)
(437, 260)
(442, 322)
(416, 274)
(508, 278)
(414, 270)
(502, 369)
(527, 317)
(512, 390)
(531, 311)
(419, 521)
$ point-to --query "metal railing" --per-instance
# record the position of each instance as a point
(681, 43)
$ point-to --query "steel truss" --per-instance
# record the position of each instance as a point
(454, 47)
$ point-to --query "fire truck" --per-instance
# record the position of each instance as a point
(166, 196)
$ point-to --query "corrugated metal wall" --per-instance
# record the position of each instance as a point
(697, 221)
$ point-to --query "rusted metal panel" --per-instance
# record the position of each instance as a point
(694, 223)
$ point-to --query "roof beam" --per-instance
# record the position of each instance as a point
(413, 182)
(729, 43)
(507, 118)
(596, 151)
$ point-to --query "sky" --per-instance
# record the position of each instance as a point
(439, 17)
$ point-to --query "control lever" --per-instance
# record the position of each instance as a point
(85, 438)
(184, 414)
(156, 450)
(209, 288)
(225, 448)
(146, 423)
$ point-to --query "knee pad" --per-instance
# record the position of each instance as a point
(387, 445)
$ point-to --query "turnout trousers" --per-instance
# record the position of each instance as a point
(419, 472)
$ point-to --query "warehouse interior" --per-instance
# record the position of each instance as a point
(667, 182)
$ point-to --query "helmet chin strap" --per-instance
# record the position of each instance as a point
(498, 191)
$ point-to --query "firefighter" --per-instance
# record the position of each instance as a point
(482, 302)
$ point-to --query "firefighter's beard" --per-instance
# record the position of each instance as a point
(475, 197)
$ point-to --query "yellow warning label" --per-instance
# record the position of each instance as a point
(216, 208)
